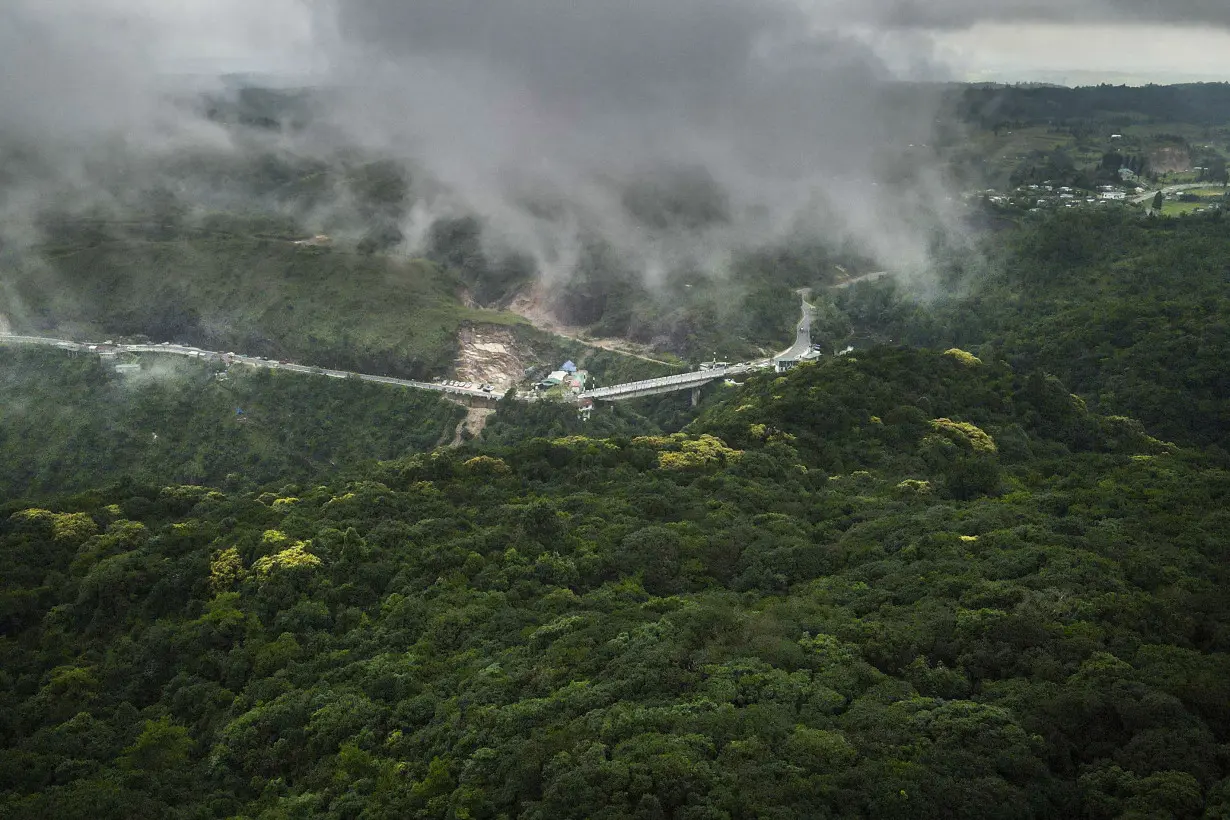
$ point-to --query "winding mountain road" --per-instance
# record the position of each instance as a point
(646, 387)
(802, 335)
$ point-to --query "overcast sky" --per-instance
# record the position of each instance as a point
(1083, 41)
(57, 56)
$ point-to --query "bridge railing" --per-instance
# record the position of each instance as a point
(697, 377)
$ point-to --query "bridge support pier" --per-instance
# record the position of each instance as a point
(695, 396)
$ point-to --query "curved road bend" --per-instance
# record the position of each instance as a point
(802, 336)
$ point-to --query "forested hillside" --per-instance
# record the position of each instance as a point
(1131, 313)
(1190, 103)
(262, 295)
(903, 584)
(69, 424)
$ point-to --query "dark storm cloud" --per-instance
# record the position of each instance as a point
(574, 102)
(632, 51)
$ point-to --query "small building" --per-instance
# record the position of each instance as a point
(784, 364)
(1114, 195)
(554, 379)
(576, 382)
(128, 368)
(568, 367)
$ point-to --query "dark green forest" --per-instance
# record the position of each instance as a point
(69, 424)
(975, 569)
(899, 584)
(1131, 313)
(997, 105)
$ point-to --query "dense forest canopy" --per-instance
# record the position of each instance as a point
(1129, 312)
(901, 584)
(1192, 103)
(68, 424)
(978, 567)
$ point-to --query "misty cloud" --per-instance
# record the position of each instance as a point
(676, 132)
(70, 69)
(572, 106)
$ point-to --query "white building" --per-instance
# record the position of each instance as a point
(782, 365)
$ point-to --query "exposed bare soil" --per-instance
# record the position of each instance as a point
(533, 306)
(1170, 159)
(473, 423)
(490, 355)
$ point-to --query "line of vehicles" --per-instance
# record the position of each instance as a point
(486, 388)
(112, 348)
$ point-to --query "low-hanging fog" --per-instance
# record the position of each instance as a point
(674, 132)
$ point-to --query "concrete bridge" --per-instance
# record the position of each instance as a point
(471, 396)
(664, 384)
(695, 381)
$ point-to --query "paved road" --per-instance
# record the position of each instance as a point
(251, 361)
(680, 381)
(802, 335)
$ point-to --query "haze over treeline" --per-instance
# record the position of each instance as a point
(673, 135)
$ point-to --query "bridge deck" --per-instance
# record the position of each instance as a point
(680, 381)
(628, 390)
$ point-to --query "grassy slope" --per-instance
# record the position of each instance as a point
(264, 296)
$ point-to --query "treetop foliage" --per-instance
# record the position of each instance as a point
(830, 597)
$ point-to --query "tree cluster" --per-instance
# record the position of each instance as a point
(902, 584)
